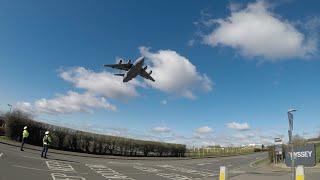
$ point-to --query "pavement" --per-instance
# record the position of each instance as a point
(268, 171)
(62, 165)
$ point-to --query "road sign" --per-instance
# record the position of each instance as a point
(278, 139)
(278, 149)
(305, 155)
(290, 118)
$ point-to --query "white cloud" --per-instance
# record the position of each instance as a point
(204, 130)
(164, 102)
(238, 126)
(25, 107)
(174, 74)
(161, 129)
(101, 83)
(257, 32)
(72, 102)
(233, 6)
(243, 136)
(191, 42)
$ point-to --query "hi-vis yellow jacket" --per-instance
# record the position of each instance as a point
(25, 133)
(46, 140)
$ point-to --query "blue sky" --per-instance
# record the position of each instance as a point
(226, 71)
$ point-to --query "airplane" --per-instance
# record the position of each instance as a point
(133, 70)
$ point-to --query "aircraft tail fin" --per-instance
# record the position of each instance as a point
(119, 74)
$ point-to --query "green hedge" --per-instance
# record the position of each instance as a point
(218, 151)
(2, 131)
(80, 141)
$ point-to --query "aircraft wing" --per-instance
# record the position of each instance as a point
(125, 67)
(146, 75)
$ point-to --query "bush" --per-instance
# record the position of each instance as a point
(2, 131)
(80, 141)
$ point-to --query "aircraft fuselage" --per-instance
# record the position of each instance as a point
(134, 70)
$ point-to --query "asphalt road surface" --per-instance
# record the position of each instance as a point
(28, 165)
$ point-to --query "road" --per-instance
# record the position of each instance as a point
(16, 164)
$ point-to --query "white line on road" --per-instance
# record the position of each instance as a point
(33, 157)
(195, 167)
(58, 176)
(1, 155)
(45, 169)
(125, 163)
(137, 173)
(204, 164)
(46, 159)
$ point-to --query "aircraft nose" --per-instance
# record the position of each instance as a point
(142, 60)
(126, 79)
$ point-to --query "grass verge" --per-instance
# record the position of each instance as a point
(4, 137)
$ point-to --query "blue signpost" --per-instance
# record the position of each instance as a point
(290, 118)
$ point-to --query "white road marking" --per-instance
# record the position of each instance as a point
(107, 172)
(187, 170)
(111, 162)
(57, 176)
(44, 169)
(137, 173)
(1, 155)
(173, 176)
(46, 159)
(203, 164)
(178, 165)
(146, 169)
(32, 157)
(60, 166)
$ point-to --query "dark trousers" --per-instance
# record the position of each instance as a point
(44, 150)
(23, 141)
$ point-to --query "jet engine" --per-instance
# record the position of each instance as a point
(129, 62)
(120, 62)
(145, 67)
(150, 72)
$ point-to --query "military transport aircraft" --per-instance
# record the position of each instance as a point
(133, 70)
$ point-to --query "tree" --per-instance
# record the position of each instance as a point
(61, 135)
(299, 140)
(111, 144)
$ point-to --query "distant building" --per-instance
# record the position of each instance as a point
(254, 145)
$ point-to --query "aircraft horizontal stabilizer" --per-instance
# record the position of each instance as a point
(119, 74)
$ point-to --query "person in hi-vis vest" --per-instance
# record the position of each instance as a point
(46, 143)
(25, 135)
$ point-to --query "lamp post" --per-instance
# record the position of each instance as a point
(10, 108)
(290, 118)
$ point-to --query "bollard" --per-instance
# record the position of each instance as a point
(223, 173)
(300, 173)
